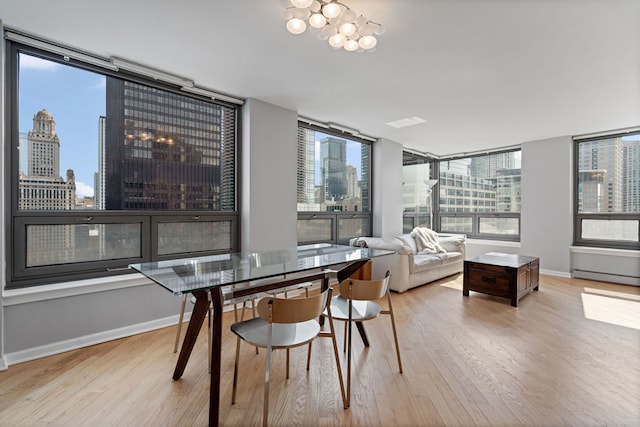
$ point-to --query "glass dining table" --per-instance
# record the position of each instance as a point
(242, 274)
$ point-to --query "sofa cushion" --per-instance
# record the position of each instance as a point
(422, 262)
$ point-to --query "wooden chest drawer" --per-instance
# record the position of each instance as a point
(486, 280)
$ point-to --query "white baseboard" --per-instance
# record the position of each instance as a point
(87, 340)
(564, 274)
(92, 339)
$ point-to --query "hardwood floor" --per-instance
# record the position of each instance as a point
(568, 355)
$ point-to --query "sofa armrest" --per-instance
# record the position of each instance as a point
(453, 242)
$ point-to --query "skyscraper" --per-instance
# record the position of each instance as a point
(333, 169)
(42, 188)
(165, 151)
(306, 168)
(100, 177)
(631, 183)
(600, 166)
(487, 166)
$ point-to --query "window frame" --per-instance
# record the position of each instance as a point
(335, 216)
(18, 275)
(476, 216)
(410, 158)
(579, 217)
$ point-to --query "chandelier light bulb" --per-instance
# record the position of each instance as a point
(348, 29)
(296, 26)
(331, 10)
(317, 20)
(301, 3)
(351, 45)
(367, 42)
(337, 40)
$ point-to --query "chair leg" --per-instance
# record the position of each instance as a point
(267, 375)
(395, 334)
(235, 372)
(344, 344)
(332, 335)
(309, 356)
(287, 364)
(210, 334)
(253, 313)
(350, 327)
(180, 320)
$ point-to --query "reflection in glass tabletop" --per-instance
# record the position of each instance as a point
(193, 274)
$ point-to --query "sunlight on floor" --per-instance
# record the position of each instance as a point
(616, 308)
(452, 285)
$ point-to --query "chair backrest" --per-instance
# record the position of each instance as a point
(364, 290)
(293, 310)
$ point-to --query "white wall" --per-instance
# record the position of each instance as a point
(387, 188)
(547, 214)
(268, 181)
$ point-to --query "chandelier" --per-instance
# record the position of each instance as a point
(334, 22)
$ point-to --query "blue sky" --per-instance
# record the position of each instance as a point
(76, 99)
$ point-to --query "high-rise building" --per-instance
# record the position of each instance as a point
(42, 188)
(333, 169)
(508, 190)
(165, 151)
(306, 168)
(631, 183)
(365, 155)
(600, 165)
(485, 167)
(99, 181)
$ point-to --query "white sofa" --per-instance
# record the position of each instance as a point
(408, 267)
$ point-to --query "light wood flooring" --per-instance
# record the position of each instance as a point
(569, 355)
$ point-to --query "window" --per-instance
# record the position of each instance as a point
(110, 168)
(480, 196)
(417, 191)
(333, 186)
(608, 191)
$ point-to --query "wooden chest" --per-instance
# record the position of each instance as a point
(503, 275)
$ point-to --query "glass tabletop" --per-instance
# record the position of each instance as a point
(193, 274)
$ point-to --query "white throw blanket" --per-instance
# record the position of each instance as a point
(426, 241)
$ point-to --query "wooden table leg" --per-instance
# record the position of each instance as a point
(198, 315)
(216, 357)
(200, 310)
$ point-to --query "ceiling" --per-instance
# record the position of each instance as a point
(483, 74)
